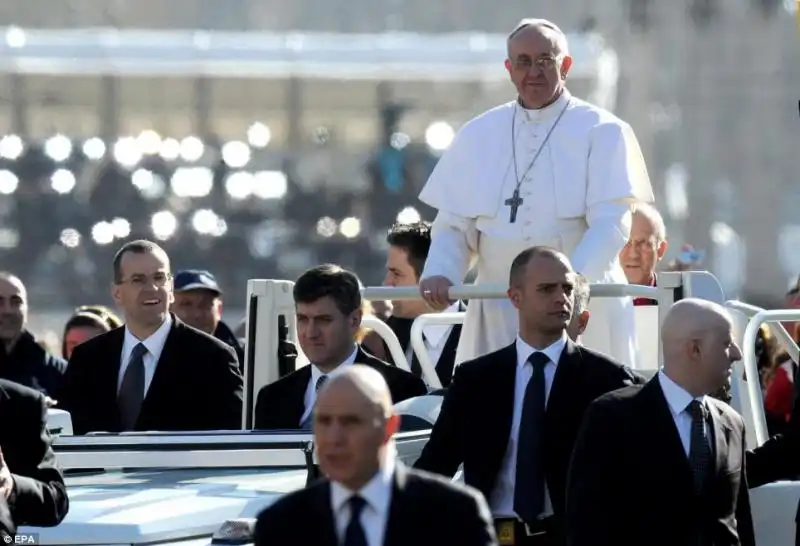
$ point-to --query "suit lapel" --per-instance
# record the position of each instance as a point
(503, 379)
(664, 438)
(163, 376)
(720, 432)
(108, 372)
(296, 399)
(324, 529)
(399, 517)
(564, 380)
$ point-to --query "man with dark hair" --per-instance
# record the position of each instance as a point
(22, 359)
(328, 307)
(527, 400)
(156, 373)
(408, 250)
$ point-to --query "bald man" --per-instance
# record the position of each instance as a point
(22, 359)
(663, 463)
(369, 498)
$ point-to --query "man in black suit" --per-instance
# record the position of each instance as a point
(511, 417)
(156, 373)
(408, 249)
(369, 498)
(32, 490)
(328, 307)
(664, 463)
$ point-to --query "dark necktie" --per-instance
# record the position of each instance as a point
(320, 381)
(131, 391)
(699, 449)
(354, 534)
(530, 480)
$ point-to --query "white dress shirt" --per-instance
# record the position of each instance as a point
(311, 389)
(378, 495)
(501, 501)
(154, 344)
(678, 401)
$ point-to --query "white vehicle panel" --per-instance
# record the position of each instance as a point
(158, 506)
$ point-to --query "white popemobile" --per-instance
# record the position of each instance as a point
(192, 489)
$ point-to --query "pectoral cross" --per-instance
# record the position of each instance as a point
(514, 202)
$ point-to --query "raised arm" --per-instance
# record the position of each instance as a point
(617, 176)
(453, 240)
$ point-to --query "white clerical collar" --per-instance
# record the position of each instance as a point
(549, 112)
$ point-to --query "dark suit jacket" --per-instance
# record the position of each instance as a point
(30, 365)
(39, 496)
(281, 404)
(474, 423)
(630, 482)
(425, 510)
(196, 385)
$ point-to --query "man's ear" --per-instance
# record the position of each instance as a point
(583, 322)
(566, 64)
(514, 295)
(392, 426)
(115, 293)
(662, 249)
(356, 317)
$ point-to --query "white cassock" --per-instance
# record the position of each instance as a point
(576, 198)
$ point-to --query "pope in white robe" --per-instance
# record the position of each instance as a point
(575, 196)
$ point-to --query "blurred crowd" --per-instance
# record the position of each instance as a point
(239, 208)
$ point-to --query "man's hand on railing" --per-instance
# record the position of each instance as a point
(50, 402)
(434, 291)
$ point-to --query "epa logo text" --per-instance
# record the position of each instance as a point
(29, 539)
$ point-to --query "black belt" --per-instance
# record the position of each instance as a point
(513, 530)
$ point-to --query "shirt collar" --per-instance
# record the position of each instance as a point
(316, 373)
(547, 113)
(677, 397)
(376, 492)
(435, 333)
(552, 351)
(154, 343)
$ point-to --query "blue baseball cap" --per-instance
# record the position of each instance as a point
(195, 279)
